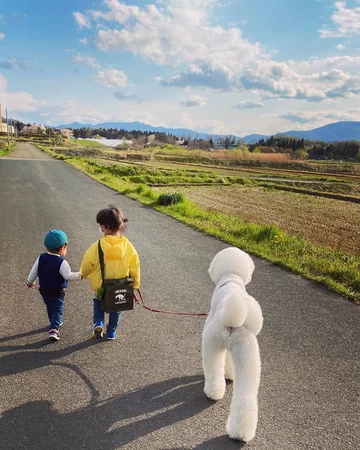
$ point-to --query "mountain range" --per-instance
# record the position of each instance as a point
(338, 131)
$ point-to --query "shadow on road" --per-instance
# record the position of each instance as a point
(23, 361)
(22, 335)
(107, 424)
(218, 443)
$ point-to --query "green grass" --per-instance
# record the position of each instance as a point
(337, 270)
(50, 152)
(141, 174)
(88, 143)
(5, 151)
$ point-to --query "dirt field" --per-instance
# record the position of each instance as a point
(324, 221)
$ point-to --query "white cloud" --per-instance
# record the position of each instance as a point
(88, 60)
(83, 41)
(179, 32)
(2, 36)
(111, 78)
(248, 104)
(346, 21)
(82, 20)
(340, 47)
(18, 101)
(195, 100)
(317, 117)
(216, 76)
(320, 64)
(313, 80)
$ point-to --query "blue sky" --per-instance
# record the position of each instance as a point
(220, 66)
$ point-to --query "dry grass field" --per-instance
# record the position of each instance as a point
(328, 222)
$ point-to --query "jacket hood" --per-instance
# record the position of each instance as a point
(114, 247)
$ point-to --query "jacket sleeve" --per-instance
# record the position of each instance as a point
(134, 270)
(32, 277)
(67, 274)
(89, 260)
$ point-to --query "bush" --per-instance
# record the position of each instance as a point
(170, 199)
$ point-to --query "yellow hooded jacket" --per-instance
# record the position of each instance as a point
(120, 258)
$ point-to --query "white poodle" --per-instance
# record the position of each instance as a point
(229, 346)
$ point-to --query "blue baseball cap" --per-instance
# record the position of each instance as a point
(55, 239)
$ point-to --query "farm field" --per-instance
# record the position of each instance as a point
(313, 182)
(263, 173)
(323, 221)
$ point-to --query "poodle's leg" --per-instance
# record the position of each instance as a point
(243, 416)
(213, 359)
(229, 367)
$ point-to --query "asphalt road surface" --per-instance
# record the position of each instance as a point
(145, 389)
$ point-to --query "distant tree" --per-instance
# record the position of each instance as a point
(227, 142)
(300, 154)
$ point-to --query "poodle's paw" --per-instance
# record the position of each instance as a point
(215, 391)
(243, 428)
(240, 433)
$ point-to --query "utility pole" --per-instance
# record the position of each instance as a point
(7, 129)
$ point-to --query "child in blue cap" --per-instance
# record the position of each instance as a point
(53, 273)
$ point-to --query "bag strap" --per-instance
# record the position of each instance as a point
(101, 258)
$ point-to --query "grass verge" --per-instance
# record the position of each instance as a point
(6, 151)
(50, 152)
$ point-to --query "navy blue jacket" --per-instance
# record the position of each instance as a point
(51, 281)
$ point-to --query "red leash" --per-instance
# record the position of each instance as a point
(140, 301)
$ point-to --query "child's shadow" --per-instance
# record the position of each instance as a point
(110, 424)
(23, 335)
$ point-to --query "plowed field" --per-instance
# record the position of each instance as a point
(323, 221)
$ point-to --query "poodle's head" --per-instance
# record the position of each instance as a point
(231, 260)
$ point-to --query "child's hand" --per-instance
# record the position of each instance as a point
(30, 285)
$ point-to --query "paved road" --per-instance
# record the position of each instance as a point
(27, 151)
(144, 390)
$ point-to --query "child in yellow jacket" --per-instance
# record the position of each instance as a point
(121, 261)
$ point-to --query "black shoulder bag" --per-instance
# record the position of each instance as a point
(116, 295)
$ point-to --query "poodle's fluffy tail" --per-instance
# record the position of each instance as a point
(234, 311)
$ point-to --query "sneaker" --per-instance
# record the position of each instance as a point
(111, 335)
(62, 323)
(54, 334)
(98, 331)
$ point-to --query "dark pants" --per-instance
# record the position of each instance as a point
(55, 310)
(99, 316)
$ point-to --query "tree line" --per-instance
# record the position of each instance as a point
(114, 133)
(306, 149)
